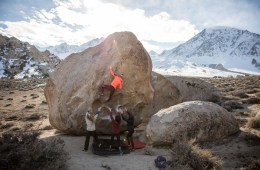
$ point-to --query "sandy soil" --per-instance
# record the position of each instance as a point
(23, 108)
(81, 160)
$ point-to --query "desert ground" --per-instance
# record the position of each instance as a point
(23, 108)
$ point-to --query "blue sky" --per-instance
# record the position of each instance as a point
(156, 23)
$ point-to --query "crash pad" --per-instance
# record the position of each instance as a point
(137, 143)
(105, 150)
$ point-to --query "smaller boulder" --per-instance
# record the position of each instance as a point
(197, 120)
(232, 104)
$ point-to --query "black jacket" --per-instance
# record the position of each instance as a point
(130, 121)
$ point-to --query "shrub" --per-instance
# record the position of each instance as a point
(241, 94)
(254, 122)
(33, 117)
(24, 151)
(185, 154)
(253, 101)
(253, 165)
(6, 126)
(251, 139)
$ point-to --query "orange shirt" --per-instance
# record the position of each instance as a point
(117, 82)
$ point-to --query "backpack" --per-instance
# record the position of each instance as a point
(160, 162)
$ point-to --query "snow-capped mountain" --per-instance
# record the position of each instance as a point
(63, 50)
(218, 47)
(19, 59)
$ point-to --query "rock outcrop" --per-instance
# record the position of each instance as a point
(195, 89)
(74, 86)
(165, 95)
(197, 120)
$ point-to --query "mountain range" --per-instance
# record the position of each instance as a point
(20, 59)
(223, 48)
(218, 51)
(63, 50)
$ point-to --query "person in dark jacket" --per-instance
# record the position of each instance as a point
(130, 128)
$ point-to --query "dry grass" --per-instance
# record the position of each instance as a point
(25, 151)
(253, 101)
(252, 139)
(186, 155)
(6, 125)
(254, 122)
(253, 165)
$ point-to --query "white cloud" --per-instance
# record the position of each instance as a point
(44, 16)
(91, 19)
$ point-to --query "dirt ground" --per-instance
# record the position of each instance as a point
(23, 108)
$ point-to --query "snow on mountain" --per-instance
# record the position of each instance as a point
(19, 59)
(236, 50)
(63, 50)
(185, 68)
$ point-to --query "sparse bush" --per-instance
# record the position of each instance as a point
(251, 91)
(254, 122)
(215, 97)
(185, 154)
(241, 94)
(253, 165)
(6, 126)
(253, 101)
(252, 139)
(25, 151)
(33, 117)
(48, 127)
(10, 118)
(29, 106)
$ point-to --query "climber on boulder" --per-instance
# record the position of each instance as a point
(117, 82)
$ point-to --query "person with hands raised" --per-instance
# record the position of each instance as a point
(130, 128)
(90, 119)
(115, 129)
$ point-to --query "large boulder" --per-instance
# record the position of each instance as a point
(74, 86)
(195, 89)
(165, 95)
(197, 120)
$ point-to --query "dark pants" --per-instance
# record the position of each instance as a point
(129, 137)
(110, 88)
(88, 134)
(117, 135)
